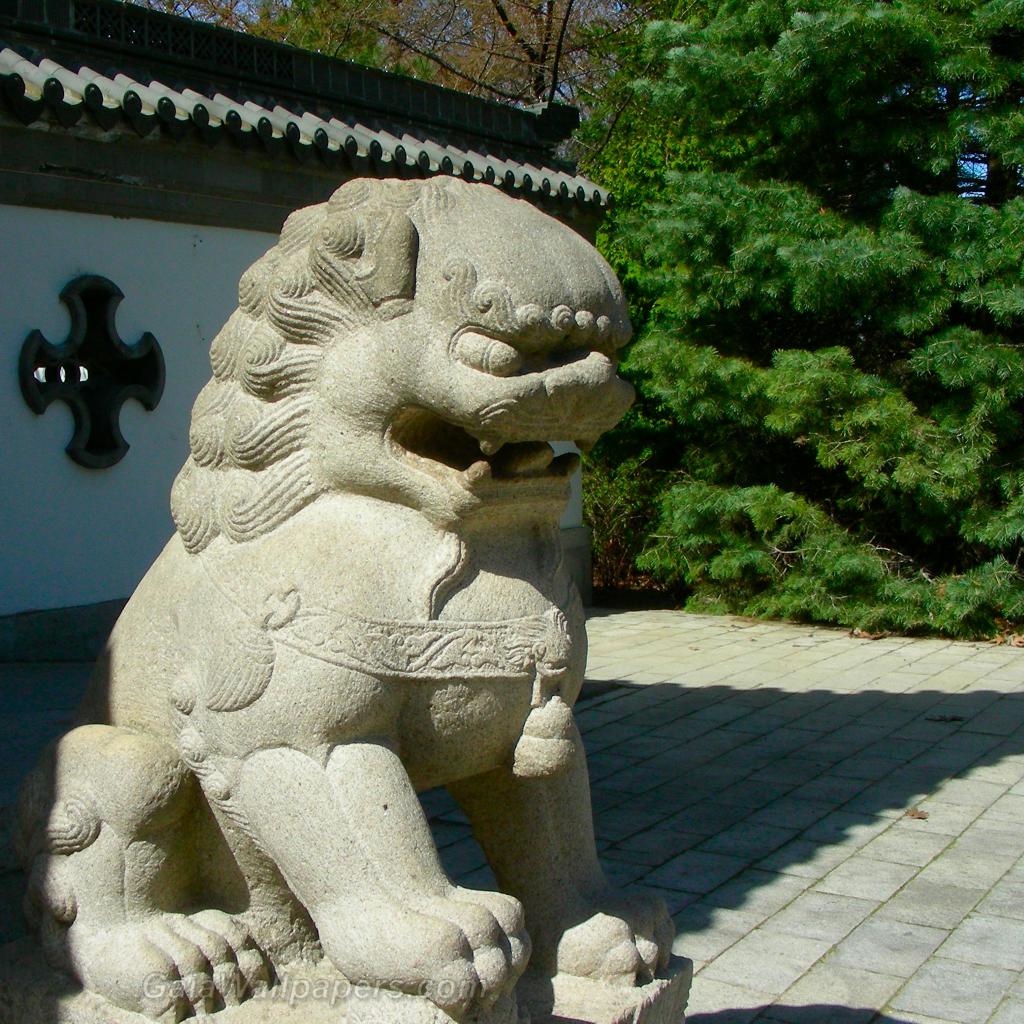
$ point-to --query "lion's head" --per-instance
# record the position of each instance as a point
(419, 341)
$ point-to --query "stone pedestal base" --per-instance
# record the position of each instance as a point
(568, 1000)
(32, 993)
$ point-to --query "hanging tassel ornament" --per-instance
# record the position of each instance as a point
(548, 743)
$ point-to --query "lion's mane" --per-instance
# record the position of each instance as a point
(249, 465)
(338, 267)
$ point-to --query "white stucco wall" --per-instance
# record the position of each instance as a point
(70, 535)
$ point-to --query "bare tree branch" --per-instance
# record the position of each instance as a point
(440, 62)
(513, 32)
(558, 50)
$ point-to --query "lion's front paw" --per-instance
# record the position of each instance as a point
(511, 918)
(382, 943)
(495, 927)
(625, 938)
(169, 967)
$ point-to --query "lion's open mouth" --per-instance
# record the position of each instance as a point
(435, 443)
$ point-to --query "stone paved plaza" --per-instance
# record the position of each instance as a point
(759, 777)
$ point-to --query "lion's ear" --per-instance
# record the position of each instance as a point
(387, 270)
(367, 259)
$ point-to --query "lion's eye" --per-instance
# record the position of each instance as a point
(487, 354)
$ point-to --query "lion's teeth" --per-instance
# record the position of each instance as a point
(528, 458)
(491, 447)
(480, 470)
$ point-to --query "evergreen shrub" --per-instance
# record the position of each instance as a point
(831, 308)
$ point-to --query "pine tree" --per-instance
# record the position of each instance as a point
(831, 299)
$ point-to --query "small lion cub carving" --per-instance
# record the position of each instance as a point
(364, 598)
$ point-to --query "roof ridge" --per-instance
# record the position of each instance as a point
(228, 56)
(36, 88)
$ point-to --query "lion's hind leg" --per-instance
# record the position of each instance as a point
(105, 823)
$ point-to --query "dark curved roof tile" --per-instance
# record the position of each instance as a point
(37, 88)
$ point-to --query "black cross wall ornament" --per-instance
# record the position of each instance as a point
(94, 371)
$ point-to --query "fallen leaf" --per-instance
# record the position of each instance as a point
(916, 812)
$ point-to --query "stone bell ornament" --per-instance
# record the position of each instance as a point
(364, 599)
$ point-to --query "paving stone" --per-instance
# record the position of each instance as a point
(992, 941)
(866, 878)
(796, 770)
(805, 858)
(653, 847)
(673, 899)
(905, 749)
(704, 931)
(949, 819)
(445, 833)
(767, 961)
(718, 1002)
(1009, 807)
(782, 741)
(965, 993)
(462, 856)
(837, 788)
(969, 792)
(891, 798)
(749, 839)
(905, 846)
(1005, 900)
(604, 764)
(1004, 772)
(12, 921)
(846, 828)
(789, 812)
(624, 820)
(623, 873)
(906, 1017)
(836, 994)
(993, 837)
(724, 711)
(967, 865)
(888, 947)
(759, 892)
(820, 915)
(696, 871)
(1016, 989)
(752, 793)
(760, 723)
(866, 767)
(1010, 1012)
(931, 903)
(707, 817)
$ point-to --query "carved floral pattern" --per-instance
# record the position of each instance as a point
(435, 649)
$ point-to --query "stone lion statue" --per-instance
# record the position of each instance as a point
(364, 599)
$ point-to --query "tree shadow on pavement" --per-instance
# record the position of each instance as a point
(781, 1014)
(717, 789)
